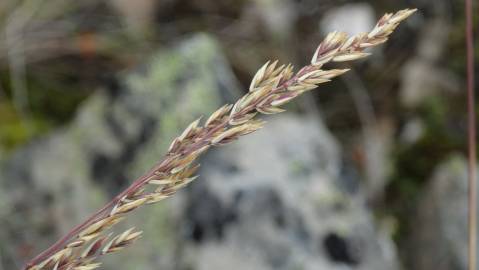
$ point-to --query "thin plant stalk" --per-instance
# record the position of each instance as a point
(471, 112)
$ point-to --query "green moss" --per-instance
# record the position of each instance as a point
(297, 167)
(16, 130)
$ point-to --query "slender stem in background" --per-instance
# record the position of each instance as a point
(472, 216)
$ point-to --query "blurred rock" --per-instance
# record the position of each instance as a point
(55, 182)
(278, 17)
(439, 241)
(277, 201)
(350, 18)
(422, 77)
(377, 147)
(138, 16)
(413, 130)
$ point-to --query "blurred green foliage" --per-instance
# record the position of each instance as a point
(16, 130)
(50, 104)
(414, 163)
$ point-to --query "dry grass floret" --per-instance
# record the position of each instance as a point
(271, 87)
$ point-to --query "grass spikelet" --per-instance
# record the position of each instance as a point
(270, 88)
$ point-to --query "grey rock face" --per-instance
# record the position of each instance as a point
(440, 240)
(276, 201)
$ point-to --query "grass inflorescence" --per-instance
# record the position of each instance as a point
(272, 86)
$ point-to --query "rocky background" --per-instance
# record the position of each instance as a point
(367, 172)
